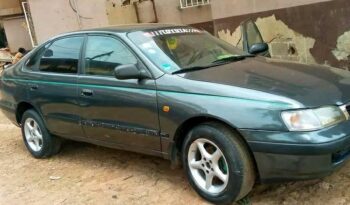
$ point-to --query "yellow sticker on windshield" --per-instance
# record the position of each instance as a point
(172, 43)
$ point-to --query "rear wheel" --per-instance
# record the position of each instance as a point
(39, 142)
(217, 163)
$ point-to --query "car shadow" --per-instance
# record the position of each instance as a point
(154, 167)
(158, 170)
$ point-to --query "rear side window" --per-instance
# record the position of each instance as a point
(103, 54)
(62, 56)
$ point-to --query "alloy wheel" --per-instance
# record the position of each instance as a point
(33, 134)
(208, 166)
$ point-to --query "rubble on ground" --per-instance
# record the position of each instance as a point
(5, 56)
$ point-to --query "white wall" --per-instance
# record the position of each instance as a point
(169, 11)
(52, 17)
(56, 16)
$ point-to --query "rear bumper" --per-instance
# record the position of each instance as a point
(9, 113)
(286, 156)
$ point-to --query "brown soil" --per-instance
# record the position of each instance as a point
(88, 174)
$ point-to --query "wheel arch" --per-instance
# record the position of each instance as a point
(187, 125)
(21, 108)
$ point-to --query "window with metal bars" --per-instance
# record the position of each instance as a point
(193, 3)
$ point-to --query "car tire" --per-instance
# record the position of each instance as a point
(217, 163)
(39, 142)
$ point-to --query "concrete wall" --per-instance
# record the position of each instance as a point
(118, 14)
(93, 13)
(17, 33)
(297, 30)
(227, 8)
(169, 12)
(56, 16)
(7, 4)
(312, 33)
(10, 7)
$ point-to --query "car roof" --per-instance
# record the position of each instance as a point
(126, 28)
(132, 27)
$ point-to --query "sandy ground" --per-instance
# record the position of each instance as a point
(88, 174)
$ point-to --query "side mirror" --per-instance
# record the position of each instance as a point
(7, 66)
(258, 48)
(130, 71)
(48, 53)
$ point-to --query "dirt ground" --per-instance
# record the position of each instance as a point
(88, 174)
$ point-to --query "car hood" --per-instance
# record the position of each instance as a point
(310, 85)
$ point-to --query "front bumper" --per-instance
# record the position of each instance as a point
(285, 156)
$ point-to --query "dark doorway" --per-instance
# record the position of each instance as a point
(3, 41)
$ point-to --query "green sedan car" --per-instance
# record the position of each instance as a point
(231, 119)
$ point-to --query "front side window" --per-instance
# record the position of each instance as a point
(176, 48)
(62, 56)
(103, 54)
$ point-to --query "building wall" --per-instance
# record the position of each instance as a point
(169, 12)
(54, 17)
(312, 33)
(17, 33)
(10, 7)
(228, 8)
(58, 16)
(6, 4)
(118, 14)
(297, 30)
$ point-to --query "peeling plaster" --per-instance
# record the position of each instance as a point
(235, 38)
(342, 52)
(284, 42)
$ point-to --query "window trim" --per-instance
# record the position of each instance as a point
(49, 43)
(113, 36)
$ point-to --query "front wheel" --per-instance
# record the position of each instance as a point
(217, 163)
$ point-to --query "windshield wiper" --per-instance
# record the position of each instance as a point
(214, 63)
(194, 68)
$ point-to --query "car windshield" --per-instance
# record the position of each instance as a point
(176, 49)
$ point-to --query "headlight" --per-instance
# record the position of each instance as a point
(312, 119)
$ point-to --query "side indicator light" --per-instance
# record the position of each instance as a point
(166, 108)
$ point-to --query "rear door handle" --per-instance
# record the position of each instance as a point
(87, 92)
(34, 87)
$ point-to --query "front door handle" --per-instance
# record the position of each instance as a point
(34, 87)
(87, 92)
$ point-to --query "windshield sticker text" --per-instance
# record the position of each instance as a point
(172, 31)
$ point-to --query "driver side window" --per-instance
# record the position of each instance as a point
(104, 53)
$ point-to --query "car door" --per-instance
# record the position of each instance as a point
(52, 71)
(251, 36)
(122, 113)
